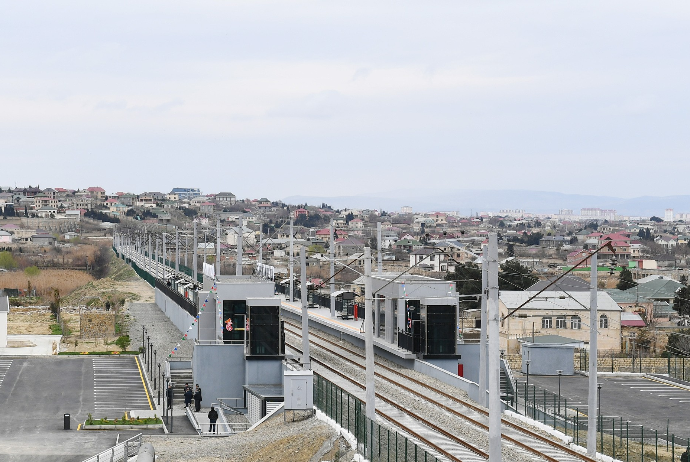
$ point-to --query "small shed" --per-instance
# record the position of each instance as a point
(548, 354)
(262, 400)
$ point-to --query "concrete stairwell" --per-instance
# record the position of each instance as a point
(179, 377)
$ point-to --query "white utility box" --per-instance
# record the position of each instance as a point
(298, 389)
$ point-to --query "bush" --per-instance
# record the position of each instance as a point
(32, 271)
(123, 342)
(7, 261)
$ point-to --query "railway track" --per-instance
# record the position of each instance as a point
(472, 414)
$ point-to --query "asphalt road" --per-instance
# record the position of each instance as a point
(641, 401)
(35, 393)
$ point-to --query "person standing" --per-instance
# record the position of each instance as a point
(188, 395)
(212, 417)
(197, 398)
(169, 394)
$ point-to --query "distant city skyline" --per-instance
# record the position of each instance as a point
(347, 98)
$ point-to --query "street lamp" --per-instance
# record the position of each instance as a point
(559, 372)
(527, 362)
(155, 377)
(143, 337)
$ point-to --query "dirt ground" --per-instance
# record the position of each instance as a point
(119, 289)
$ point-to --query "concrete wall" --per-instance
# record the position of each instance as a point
(546, 360)
(469, 353)
(177, 315)
(264, 372)
(3, 329)
(219, 370)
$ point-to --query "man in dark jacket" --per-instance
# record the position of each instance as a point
(212, 417)
(169, 395)
(188, 395)
(197, 398)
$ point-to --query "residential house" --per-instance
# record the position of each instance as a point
(186, 193)
(576, 256)
(428, 258)
(5, 237)
(356, 224)
(300, 212)
(408, 245)
(97, 193)
(206, 207)
(46, 212)
(558, 313)
(348, 246)
(43, 238)
(225, 199)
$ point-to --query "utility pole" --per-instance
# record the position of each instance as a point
(378, 246)
(306, 362)
(261, 250)
(482, 335)
(177, 249)
(164, 256)
(494, 354)
(592, 395)
(292, 262)
(218, 247)
(240, 242)
(331, 250)
(194, 256)
(369, 338)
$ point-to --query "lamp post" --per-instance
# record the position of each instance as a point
(559, 372)
(143, 337)
(155, 377)
(148, 349)
(160, 380)
(527, 362)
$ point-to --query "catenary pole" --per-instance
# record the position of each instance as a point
(369, 338)
(305, 312)
(240, 250)
(378, 246)
(494, 354)
(292, 262)
(194, 255)
(482, 335)
(592, 393)
(218, 247)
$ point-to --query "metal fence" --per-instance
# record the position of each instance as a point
(676, 367)
(120, 452)
(616, 437)
(375, 442)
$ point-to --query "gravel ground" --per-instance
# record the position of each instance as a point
(164, 335)
(459, 427)
(306, 440)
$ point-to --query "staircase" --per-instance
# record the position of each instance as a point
(179, 377)
(507, 382)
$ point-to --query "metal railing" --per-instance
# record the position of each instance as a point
(616, 437)
(376, 442)
(120, 452)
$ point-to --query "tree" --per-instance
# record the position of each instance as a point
(678, 343)
(681, 302)
(515, 276)
(468, 281)
(349, 217)
(625, 280)
(101, 260)
(123, 342)
(510, 249)
(7, 261)
(656, 219)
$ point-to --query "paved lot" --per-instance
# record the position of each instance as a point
(641, 401)
(118, 386)
(35, 393)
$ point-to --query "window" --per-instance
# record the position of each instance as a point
(603, 322)
(560, 323)
(546, 323)
(575, 322)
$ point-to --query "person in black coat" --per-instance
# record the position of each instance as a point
(212, 417)
(169, 394)
(188, 397)
(197, 398)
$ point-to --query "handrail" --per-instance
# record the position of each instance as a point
(120, 452)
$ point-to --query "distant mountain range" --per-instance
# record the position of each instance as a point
(472, 201)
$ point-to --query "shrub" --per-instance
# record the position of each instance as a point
(7, 261)
(32, 271)
(123, 342)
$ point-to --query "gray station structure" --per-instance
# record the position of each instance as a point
(240, 342)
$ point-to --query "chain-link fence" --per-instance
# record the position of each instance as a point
(376, 442)
(616, 437)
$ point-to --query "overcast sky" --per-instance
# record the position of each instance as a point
(336, 98)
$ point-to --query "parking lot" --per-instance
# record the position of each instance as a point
(36, 392)
(640, 400)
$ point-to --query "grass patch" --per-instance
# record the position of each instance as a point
(125, 420)
(46, 280)
(55, 329)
